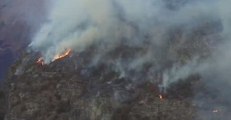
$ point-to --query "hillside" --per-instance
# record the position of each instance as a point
(68, 90)
(115, 60)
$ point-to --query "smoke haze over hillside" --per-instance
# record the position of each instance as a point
(153, 27)
(79, 24)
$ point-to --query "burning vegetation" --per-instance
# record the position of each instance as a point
(161, 97)
(67, 53)
(57, 57)
(152, 63)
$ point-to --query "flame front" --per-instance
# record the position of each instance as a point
(67, 53)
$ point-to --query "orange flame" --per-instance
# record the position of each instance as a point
(40, 61)
(67, 53)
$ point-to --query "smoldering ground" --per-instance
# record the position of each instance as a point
(140, 39)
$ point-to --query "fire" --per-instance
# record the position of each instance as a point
(161, 97)
(67, 53)
(40, 61)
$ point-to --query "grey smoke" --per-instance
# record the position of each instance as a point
(78, 24)
(144, 24)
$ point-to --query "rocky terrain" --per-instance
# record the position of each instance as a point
(72, 88)
(95, 85)
(67, 90)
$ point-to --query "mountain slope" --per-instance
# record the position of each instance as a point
(66, 89)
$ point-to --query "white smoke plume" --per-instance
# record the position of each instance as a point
(77, 24)
(160, 28)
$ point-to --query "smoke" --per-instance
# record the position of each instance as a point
(144, 37)
(150, 26)
(78, 24)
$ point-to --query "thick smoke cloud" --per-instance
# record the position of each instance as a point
(159, 29)
(77, 24)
